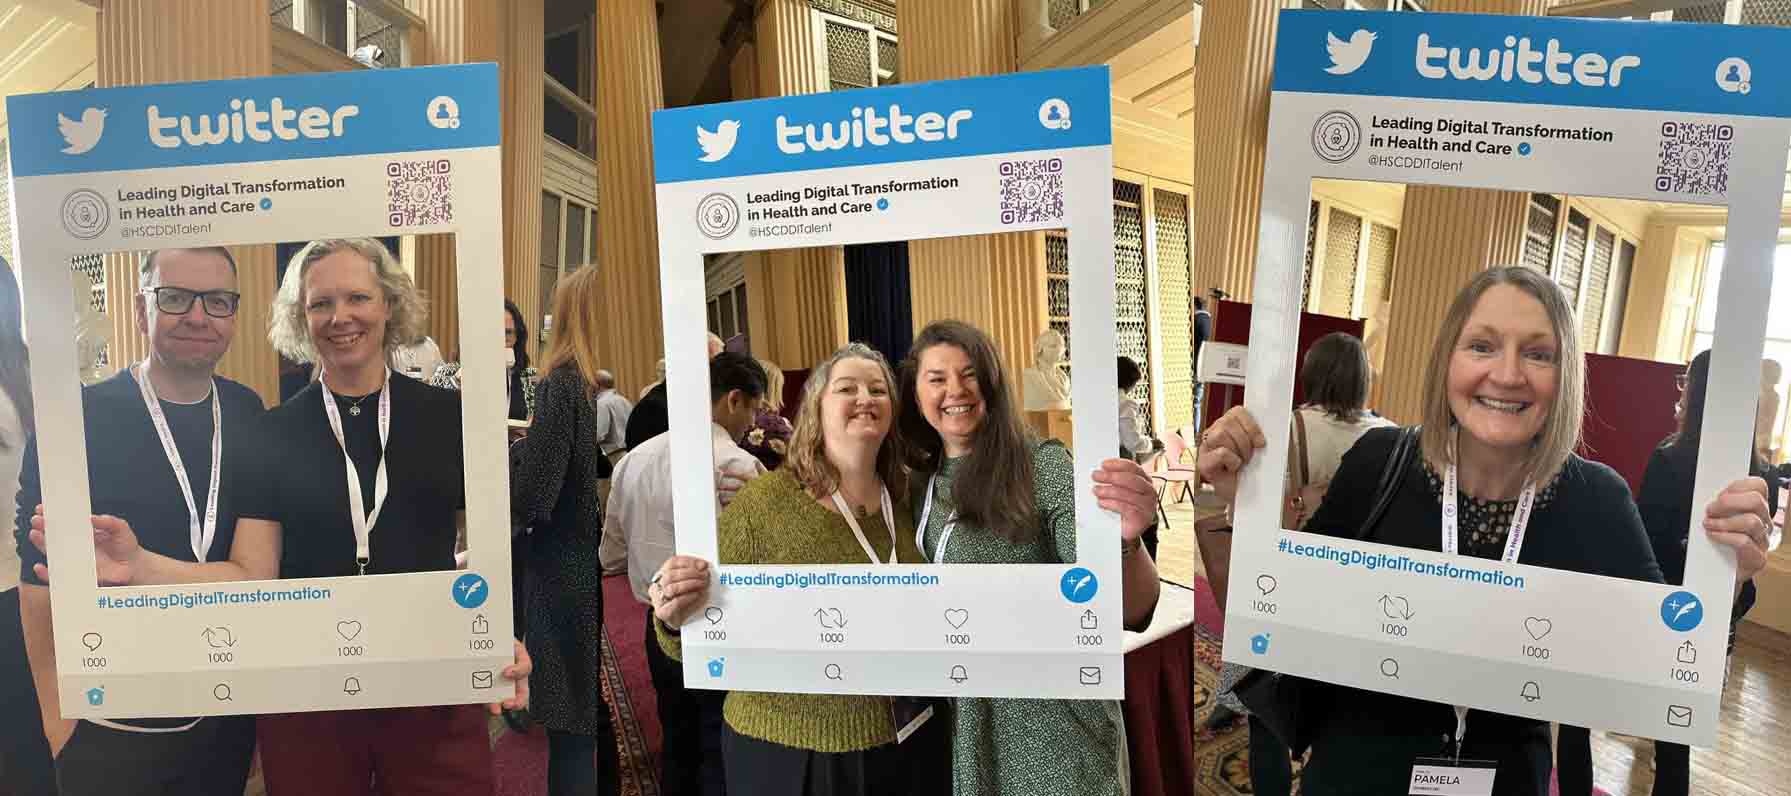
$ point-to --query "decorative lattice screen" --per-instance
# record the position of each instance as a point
(1382, 242)
(1131, 288)
(1573, 255)
(1343, 238)
(1604, 246)
(1174, 314)
(1539, 231)
(1766, 12)
(848, 56)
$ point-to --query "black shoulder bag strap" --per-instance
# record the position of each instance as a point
(1278, 700)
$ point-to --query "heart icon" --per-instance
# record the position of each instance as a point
(956, 617)
(1537, 628)
(348, 629)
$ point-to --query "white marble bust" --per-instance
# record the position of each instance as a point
(1046, 385)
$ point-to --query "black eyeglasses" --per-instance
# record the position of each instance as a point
(179, 300)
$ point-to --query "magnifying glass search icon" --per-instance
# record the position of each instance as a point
(221, 692)
(1390, 668)
(832, 671)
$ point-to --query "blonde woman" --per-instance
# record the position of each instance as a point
(553, 490)
(1502, 411)
(769, 438)
(346, 305)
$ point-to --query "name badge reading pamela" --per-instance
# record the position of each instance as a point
(1433, 776)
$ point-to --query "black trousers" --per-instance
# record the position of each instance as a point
(25, 764)
(212, 759)
(1271, 764)
(919, 766)
(690, 758)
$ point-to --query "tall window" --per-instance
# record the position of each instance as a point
(369, 31)
(1778, 322)
(1589, 258)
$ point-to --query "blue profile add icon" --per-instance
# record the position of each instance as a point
(1079, 585)
(470, 591)
(1682, 611)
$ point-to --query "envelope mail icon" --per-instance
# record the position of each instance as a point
(1090, 675)
(482, 680)
(1679, 715)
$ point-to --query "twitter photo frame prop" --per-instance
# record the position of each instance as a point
(1651, 111)
(927, 160)
(377, 153)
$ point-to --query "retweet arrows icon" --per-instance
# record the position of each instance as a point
(1396, 607)
(219, 637)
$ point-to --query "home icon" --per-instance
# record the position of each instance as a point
(96, 696)
(715, 665)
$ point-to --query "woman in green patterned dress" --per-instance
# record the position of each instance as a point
(995, 494)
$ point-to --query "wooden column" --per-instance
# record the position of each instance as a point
(796, 297)
(160, 41)
(1231, 91)
(509, 33)
(994, 282)
(629, 89)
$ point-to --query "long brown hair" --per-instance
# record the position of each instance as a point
(807, 459)
(576, 311)
(993, 487)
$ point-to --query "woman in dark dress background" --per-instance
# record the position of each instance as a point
(553, 489)
(516, 338)
(1665, 501)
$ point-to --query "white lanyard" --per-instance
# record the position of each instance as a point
(920, 528)
(888, 521)
(362, 519)
(200, 534)
(1514, 542)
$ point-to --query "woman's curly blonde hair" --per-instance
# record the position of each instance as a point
(288, 329)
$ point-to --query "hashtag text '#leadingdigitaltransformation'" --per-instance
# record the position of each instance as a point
(1401, 564)
(201, 599)
(805, 580)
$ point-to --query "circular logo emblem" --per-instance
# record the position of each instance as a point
(1336, 136)
(1682, 611)
(470, 591)
(1054, 114)
(85, 214)
(717, 215)
(1079, 585)
(1734, 75)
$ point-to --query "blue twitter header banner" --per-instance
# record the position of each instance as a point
(290, 117)
(1661, 66)
(1022, 112)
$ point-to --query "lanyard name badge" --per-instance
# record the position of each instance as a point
(200, 533)
(920, 528)
(906, 714)
(1453, 776)
(863, 541)
(362, 519)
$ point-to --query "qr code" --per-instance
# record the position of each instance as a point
(419, 193)
(1694, 158)
(1031, 191)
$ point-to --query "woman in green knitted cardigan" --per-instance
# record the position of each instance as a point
(992, 493)
(844, 470)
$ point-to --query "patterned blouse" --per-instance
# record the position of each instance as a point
(1038, 747)
(1484, 523)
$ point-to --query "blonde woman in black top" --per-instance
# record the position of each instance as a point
(1502, 414)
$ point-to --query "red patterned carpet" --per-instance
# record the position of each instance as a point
(522, 759)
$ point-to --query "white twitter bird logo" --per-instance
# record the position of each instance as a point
(82, 135)
(719, 144)
(1348, 56)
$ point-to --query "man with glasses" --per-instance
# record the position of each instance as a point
(160, 435)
